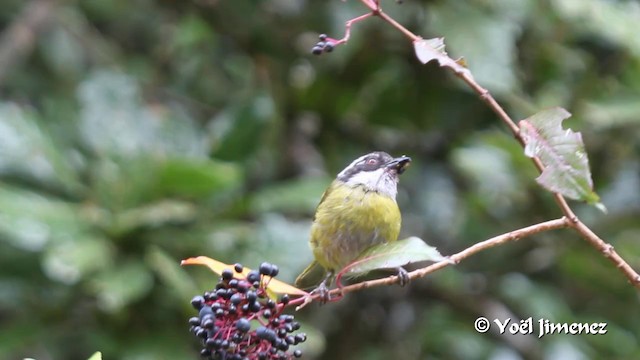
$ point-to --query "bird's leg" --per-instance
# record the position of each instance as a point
(403, 276)
(323, 290)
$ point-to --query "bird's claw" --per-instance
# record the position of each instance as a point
(323, 293)
(403, 277)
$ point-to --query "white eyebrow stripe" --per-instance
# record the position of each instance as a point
(344, 172)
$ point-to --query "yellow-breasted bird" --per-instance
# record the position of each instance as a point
(357, 211)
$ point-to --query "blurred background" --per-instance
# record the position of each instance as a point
(134, 134)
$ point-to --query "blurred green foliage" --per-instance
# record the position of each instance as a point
(134, 134)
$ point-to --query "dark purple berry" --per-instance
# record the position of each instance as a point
(238, 267)
(243, 286)
(253, 276)
(255, 306)
(204, 311)
(195, 321)
(316, 50)
(252, 296)
(297, 353)
(302, 337)
(227, 274)
(233, 283)
(266, 334)
(266, 314)
(208, 323)
(210, 296)
(197, 302)
(274, 271)
(271, 304)
(236, 299)
(284, 299)
(322, 37)
(266, 268)
(205, 353)
(243, 325)
(329, 47)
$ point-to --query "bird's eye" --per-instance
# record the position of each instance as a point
(371, 162)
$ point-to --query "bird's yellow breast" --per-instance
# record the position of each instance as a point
(348, 221)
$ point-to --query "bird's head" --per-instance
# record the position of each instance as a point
(377, 171)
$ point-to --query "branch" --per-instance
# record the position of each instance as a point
(572, 220)
(452, 260)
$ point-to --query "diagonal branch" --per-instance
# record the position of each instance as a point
(572, 220)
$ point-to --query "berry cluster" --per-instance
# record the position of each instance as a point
(323, 45)
(238, 320)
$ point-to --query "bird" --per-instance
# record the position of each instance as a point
(357, 211)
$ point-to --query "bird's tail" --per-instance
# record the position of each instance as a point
(311, 276)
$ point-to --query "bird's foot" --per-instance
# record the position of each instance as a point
(323, 293)
(403, 276)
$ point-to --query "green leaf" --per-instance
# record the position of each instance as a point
(26, 150)
(393, 255)
(296, 196)
(566, 165)
(196, 177)
(122, 285)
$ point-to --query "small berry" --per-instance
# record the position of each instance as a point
(297, 353)
(195, 321)
(329, 47)
(321, 44)
(274, 271)
(266, 334)
(208, 323)
(197, 302)
(219, 313)
(243, 325)
(265, 268)
(204, 311)
(271, 304)
(238, 267)
(205, 353)
(284, 299)
(252, 296)
(266, 314)
(227, 274)
(316, 50)
(236, 299)
(255, 306)
(210, 296)
(253, 276)
(233, 283)
(322, 37)
(301, 337)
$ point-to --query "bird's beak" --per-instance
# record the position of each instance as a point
(399, 164)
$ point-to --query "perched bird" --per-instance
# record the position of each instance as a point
(357, 211)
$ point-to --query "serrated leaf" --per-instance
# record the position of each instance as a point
(566, 165)
(273, 286)
(393, 255)
(433, 49)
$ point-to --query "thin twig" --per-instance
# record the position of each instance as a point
(573, 221)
